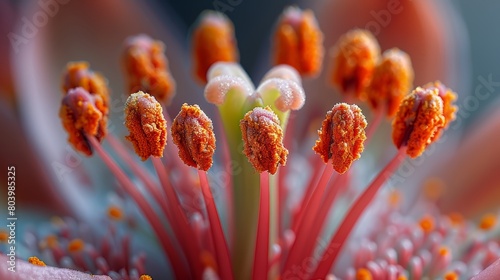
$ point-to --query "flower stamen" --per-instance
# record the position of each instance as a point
(341, 136)
(146, 125)
(392, 80)
(192, 132)
(488, 222)
(298, 41)
(263, 140)
(353, 60)
(80, 116)
(146, 68)
(76, 245)
(78, 74)
(419, 118)
(213, 41)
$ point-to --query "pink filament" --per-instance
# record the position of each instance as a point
(354, 213)
(261, 256)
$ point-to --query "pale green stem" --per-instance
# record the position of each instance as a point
(245, 186)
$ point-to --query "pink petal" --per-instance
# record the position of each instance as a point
(27, 271)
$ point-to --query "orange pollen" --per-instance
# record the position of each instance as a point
(419, 118)
(449, 108)
(145, 277)
(78, 74)
(208, 260)
(4, 236)
(146, 125)
(342, 136)
(427, 223)
(76, 245)
(36, 261)
(488, 222)
(51, 241)
(450, 276)
(363, 274)
(456, 219)
(352, 62)
(115, 213)
(298, 41)
(402, 277)
(263, 140)
(394, 198)
(391, 82)
(443, 251)
(146, 68)
(80, 115)
(193, 134)
(213, 41)
(433, 188)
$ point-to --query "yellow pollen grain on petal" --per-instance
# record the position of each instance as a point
(145, 277)
(76, 245)
(146, 68)
(426, 224)
(298, 41)
(192, 133)
(115, 213)
(342, 136)
(488, 222)
(450, 276)
(263, 140)
(4, 236)
(146, 125)
(35, 261)
(352, 62)
(213, 41)
(363, 274)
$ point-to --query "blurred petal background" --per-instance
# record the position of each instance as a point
(456, 42)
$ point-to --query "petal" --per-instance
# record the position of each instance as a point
(27, 271)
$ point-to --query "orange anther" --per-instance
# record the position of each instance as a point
(80, 115)
(192, 132)
(146, 68)
(427, 223)
(450, 276)
(298, 41)
(363, 274)
(342, 136)
(115, 212)
(488, 221)
(146, 125)
(419, 118)
(353, 59)
(213, 41)
(391, 82)
(263, 140)
(76, 245)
